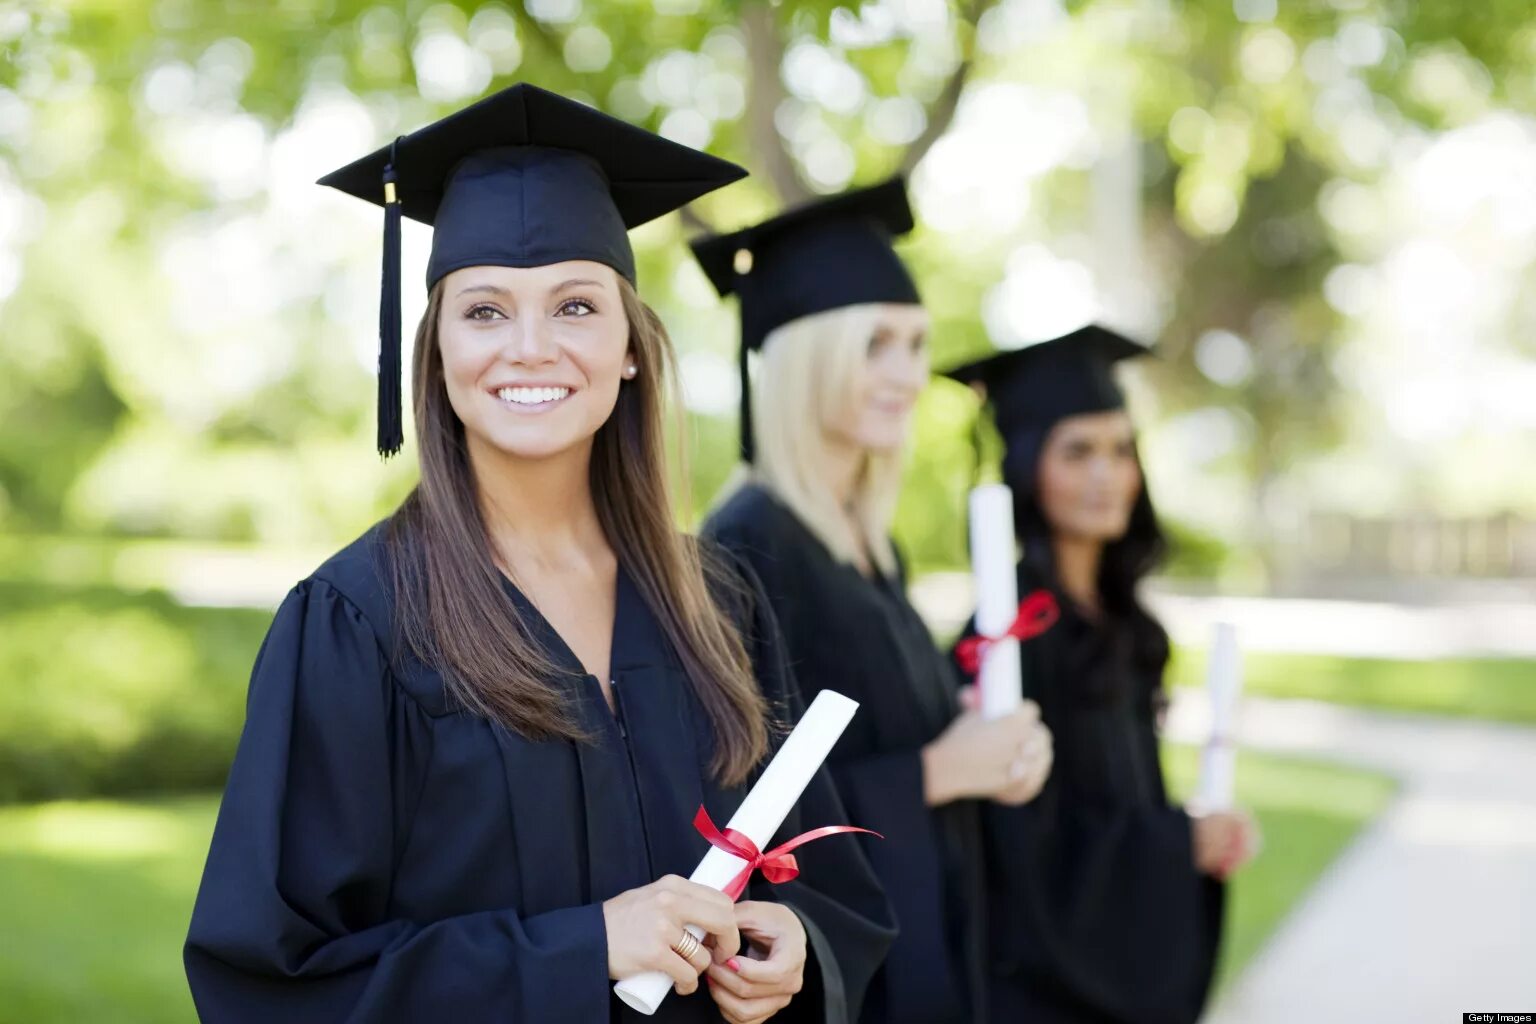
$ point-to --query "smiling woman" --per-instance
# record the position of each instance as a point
(476, 737)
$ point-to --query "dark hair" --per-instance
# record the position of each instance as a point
(1129, 629)
(454, 614)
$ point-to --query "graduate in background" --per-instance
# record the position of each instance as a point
(1108, 900)
(826, 300)
(477, 736)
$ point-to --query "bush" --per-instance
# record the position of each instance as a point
(111, 693)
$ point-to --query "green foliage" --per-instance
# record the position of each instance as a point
(113, 387)
(1193, 554)
(112, 693)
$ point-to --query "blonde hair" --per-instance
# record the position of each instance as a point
(806, 375)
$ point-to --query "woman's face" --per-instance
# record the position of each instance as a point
(1089, 477)
(878, 412)
(533, 356)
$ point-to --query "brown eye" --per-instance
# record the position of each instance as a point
(876, 343)
(483, 312)
(576, 308)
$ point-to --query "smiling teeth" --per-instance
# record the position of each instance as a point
(532, 396)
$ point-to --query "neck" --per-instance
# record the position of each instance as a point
(1077, 569)
(539, 513)
(844, 466)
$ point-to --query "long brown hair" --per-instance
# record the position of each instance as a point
(454, 613)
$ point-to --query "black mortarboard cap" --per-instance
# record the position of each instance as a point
(822, 255)
(1034, 387)
(522, 178)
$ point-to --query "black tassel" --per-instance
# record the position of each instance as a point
(978, 447)
(748, 448)
(391, 434)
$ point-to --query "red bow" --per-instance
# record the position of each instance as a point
(777, 865)
(1037, 613)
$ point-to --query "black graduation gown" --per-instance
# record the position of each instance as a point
(862, 637)
(1098, 915)
(380, 856)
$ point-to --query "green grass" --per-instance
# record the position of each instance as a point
(94, 903)
(95, 896)
(1502, 689)
(1308, 812)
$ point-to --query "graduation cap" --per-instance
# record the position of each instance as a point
(522, 178)
(813, 258)
(1034, 387)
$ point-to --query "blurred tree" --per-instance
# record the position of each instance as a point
(138, 136)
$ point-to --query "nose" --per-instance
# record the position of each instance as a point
(1101, 468)
(905, 370)
(529, 343)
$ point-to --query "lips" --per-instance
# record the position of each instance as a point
(530, 396)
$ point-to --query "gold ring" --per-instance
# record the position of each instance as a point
(687, 947)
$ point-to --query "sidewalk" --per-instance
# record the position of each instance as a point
(1431, 913)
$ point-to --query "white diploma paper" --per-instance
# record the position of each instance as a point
(1218, 765)
(994, 568)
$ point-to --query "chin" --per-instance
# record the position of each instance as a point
(1100, 529)
(530, 445)
(885, 442)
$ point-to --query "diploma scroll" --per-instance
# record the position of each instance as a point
(1218, 763)
(759, 817)
(993, 567)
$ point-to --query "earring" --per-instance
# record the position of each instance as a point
(630, 371)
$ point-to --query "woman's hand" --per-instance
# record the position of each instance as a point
(1224, 841)
(1038, 757)
(645, 924)
(1006, 758)
(752, 988)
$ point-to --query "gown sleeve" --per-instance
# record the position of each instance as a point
(293, 922)
(848, 922)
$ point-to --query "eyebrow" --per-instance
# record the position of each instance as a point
(492, 288)
(496, 289)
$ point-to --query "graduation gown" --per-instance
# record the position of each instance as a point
(382, 856)
(1098, 915)
(862, 637)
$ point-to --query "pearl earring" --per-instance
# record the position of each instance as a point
(630, 371)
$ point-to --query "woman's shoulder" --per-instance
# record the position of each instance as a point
(360, 574)
(361, 577)
(752, 515)
(756, 525)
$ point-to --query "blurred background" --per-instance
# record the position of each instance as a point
(1323, 214)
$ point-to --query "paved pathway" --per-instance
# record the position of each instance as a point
(1431, 913)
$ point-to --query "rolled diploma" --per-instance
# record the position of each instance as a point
(1218, 769)
(993, 567)
(758, 818)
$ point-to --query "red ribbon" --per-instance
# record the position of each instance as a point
(1037, 613)
(777, 865)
